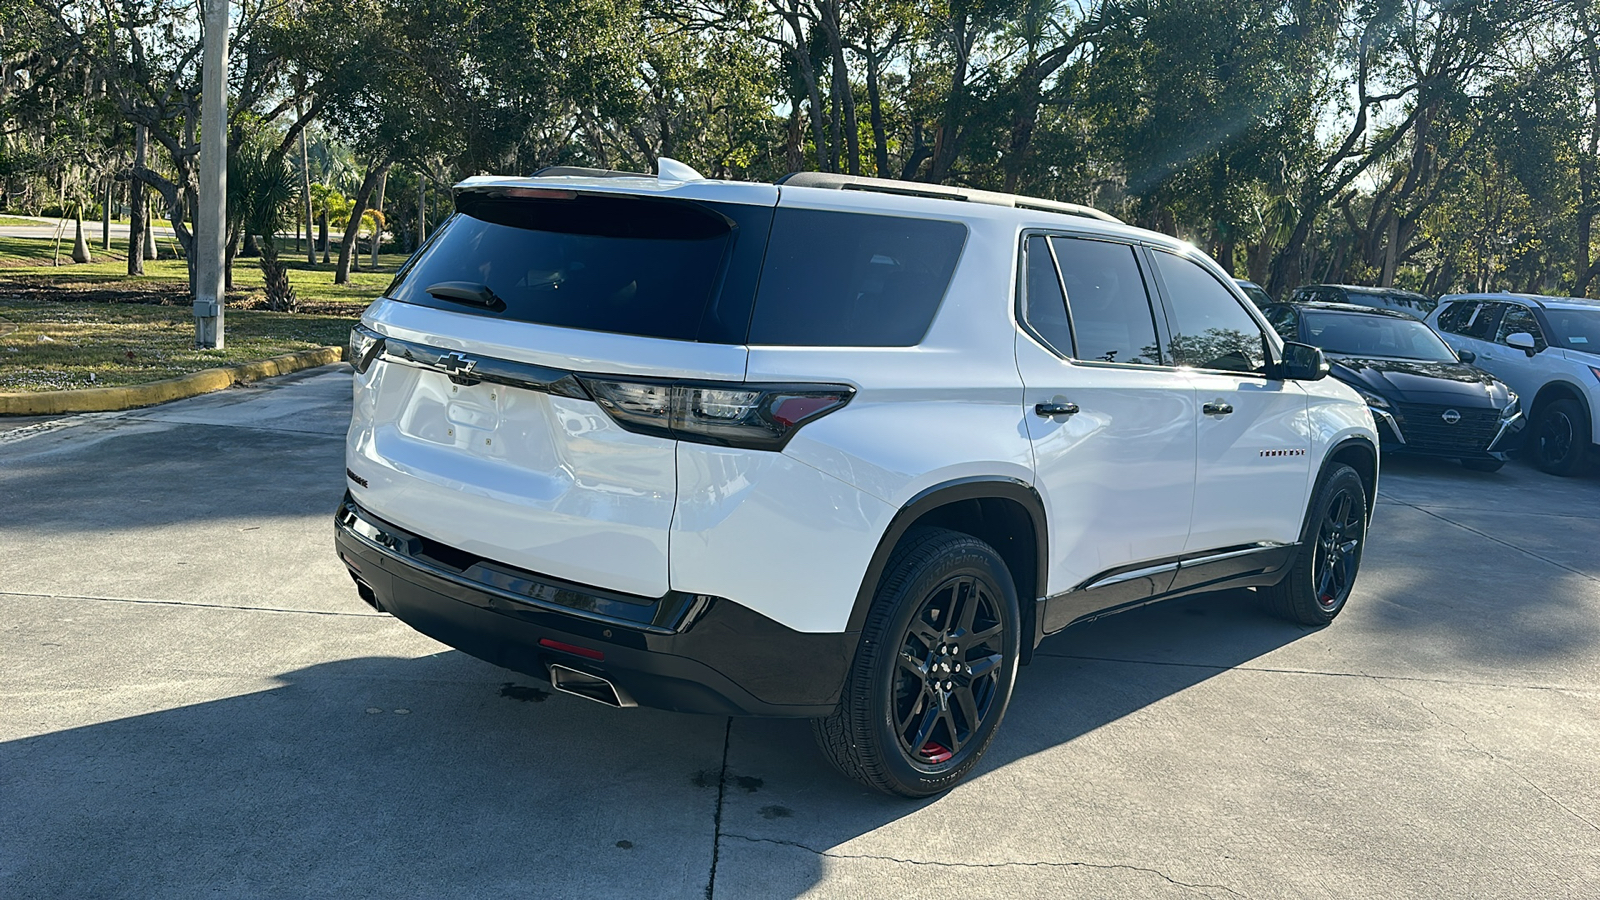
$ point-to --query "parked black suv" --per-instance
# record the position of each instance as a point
(1414, 305)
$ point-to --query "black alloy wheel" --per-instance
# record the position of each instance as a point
(1323, 573)
(951, 659)
(1560, 437)
(1338, 548)
(934, 670)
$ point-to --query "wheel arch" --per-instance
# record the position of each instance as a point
(1358, 453)
(1005, 513)
(1559, 389)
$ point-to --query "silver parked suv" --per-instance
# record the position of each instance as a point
(835, 448)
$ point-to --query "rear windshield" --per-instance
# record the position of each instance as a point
(688, 271)
(840, 279)
(617, 263)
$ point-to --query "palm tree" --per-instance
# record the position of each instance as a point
(260, 189)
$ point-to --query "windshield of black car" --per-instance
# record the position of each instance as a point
(1355, 334)
(1575, 329)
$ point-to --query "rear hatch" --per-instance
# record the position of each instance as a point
(474, 424)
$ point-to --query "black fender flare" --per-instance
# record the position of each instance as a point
(1354, 440)
(980, 487)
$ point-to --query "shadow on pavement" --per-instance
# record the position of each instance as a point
(488, 785)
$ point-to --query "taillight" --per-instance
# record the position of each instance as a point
(364, 346)
(753, 416)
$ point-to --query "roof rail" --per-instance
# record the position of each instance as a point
(581, 172)
(939, 191)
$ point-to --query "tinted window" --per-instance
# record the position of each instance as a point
(853, 280)
(1111, 316)
(1453, 317)
(1472, 319)
(1520, 318)
(1046, 307)
(1355, 334)
(602, 263)
(1284, 320)
(1575, 329)
(1210, 329)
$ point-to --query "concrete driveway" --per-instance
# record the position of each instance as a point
(193, 702)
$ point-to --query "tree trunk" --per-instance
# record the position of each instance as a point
(880, 146)
(947, 138)
(80, 247)
(105, 214)
(322, 234)
(422, 208)
(305, 192)
(150, 251)
(280, 293)
(844, 95)
(137, 225)
(341, 275)
(377, 225)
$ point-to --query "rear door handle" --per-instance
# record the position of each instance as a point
(1216, 408)
(1049, 410)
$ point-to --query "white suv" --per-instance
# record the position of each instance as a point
(835, 447)
(1548, 350)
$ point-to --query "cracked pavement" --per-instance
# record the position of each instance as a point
(194, 702)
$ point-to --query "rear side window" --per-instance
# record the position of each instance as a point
(1046, 307)
(629, 265)
(843, 279)
(1471, 319)
(1111, 314)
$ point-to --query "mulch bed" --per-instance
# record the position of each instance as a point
(154, 293)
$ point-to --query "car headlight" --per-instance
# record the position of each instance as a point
(1373, 400)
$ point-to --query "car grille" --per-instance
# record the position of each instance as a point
(1425, 428)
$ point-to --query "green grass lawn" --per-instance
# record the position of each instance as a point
(7, 221)
(32, 259)
(90, 325)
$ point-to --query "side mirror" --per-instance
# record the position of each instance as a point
(1466, 356)
(1523, 341)
(1302, 362)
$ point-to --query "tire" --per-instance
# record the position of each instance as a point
(914, 718)
(1560, 437)
(1323, 572)
(1483, 465)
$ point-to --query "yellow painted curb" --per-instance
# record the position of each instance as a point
(106, 399)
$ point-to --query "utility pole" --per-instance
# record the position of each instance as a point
(211, 221)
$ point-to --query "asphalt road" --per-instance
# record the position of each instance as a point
(194, 702)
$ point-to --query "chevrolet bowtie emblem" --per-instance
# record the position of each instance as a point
(456, 363)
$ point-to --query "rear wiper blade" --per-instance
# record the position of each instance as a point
(468, 292)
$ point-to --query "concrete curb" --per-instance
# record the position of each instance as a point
(107, 399)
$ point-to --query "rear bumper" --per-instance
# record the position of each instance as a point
(681, 652)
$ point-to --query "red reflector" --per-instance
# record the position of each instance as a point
(540, 194)
(584, 652)
(350, 562)
(791, 411)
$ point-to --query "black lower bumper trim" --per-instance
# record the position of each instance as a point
(722, 658)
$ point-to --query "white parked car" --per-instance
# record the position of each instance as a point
(1548, 350)
(833, 448)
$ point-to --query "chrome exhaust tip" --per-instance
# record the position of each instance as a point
(590, 687)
